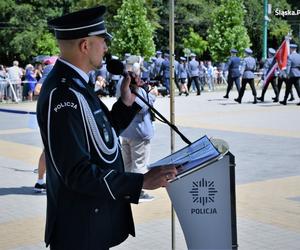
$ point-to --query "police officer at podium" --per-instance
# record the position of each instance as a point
(88, 192)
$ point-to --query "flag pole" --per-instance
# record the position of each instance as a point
(172, 110)
(265, 29)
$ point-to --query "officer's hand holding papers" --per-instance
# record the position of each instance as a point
(159, 176)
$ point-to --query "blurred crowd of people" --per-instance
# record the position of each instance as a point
(17, 83)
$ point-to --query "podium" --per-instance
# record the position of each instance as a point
(204, 201)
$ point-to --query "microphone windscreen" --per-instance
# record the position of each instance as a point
(115, 67)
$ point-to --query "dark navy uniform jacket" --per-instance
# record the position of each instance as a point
(165, 68)
(88, 193)
(233, 66)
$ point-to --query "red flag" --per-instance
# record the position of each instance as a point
(282, 54)
(279, 61)
(271, 72)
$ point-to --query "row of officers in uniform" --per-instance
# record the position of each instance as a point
(240, 72)
(157, 71)
(290, 76)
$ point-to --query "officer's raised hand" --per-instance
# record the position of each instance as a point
(127, 97)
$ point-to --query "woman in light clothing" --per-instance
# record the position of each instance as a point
(30, 78)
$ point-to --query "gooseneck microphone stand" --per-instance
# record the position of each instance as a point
(163, 118)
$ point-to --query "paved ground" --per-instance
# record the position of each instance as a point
(265, 138)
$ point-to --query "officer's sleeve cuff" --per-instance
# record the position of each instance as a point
(134, 190)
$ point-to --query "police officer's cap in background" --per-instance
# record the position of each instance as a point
(193, 55)
(293, 46)
(182, 58)
(272, 51)
(79, 24)
(158, 52)
(166, 55)
(248, 51)
(233, 51)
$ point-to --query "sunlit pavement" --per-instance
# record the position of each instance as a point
(265, 139)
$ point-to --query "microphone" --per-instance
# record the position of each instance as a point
(116, 67)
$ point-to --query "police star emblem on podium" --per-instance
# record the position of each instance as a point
(203, 191)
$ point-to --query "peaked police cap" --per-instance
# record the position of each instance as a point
(248, 51)
(272, 51)
(293, 46)
(79, 24)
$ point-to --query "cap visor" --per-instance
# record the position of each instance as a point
(107, 36)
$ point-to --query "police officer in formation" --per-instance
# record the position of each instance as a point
(282, 77)
(247, 71)
(88, 192)
(157, 65)
(267, 67)
(293, 73)
(193, 67)
(233, 67)
(165, 72)
(183, 76)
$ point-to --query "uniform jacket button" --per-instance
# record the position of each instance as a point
(96, 210)
(127, 197)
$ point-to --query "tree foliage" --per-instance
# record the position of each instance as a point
(135, 33)
(24, 32)
(195, 14)
(228, 30)
(195, 43)
(278, 28)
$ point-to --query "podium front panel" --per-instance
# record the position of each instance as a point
(203, 206)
